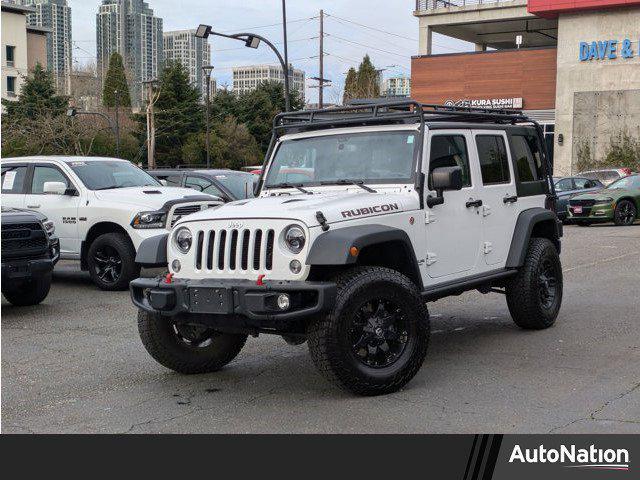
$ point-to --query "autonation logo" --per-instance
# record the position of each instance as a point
(573, 457)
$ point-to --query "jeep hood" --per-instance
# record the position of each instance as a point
(335, 206)
(151, 198)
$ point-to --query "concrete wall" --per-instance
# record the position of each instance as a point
(14, 32)
(595, 98)
(36, 50)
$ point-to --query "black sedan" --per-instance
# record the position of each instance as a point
(567, 187)
(229, 185)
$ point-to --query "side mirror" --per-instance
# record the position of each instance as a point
(442, 179)
(54, 188)
(163, 182)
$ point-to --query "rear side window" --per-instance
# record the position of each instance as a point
(494, 163)
(450, 151)
(527, 158)
(565, 185)
(13, 179)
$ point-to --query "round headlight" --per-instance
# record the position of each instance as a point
(183, 239)
(294, 238)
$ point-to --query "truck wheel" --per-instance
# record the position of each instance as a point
(625, 213)
(375, 338)
(30, 293)
(534, 295)
(111, 261)
(187, 349)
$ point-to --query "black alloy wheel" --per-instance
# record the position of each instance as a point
(378, 333)
(625, 213)
(547, 284)
(108, 264)
(194, 336)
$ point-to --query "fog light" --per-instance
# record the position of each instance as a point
(175, 265)
(295, 266)
(284, 301)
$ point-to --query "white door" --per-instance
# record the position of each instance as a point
(62, 210)
(13, 184)
(499, 199)
(453, 231)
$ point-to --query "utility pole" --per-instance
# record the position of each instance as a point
(207, 71)
(117, 98)
(152, 98)
(321, 57)
(287, 106)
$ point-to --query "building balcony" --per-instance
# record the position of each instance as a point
(432, 7)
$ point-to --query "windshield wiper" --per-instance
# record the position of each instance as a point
(358, 183)
(297, 186)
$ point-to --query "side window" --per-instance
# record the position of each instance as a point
(494, 163)
(171, 180)
(203, 185)
(584, 183)
(527, 158)
(13, 179)
(564, 185)
(46, 174)
(450, 151)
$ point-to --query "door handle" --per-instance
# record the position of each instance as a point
(509, 199)
(474, 203)
(33, 206)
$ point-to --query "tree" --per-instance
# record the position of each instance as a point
(178, 113)
(37, 97)
(350, 86)
(115, 84)
(368, 85)
(231, 146)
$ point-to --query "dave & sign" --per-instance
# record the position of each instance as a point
(606, 50)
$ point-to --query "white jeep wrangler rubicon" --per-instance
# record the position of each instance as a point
(102, 209)
(403, 203)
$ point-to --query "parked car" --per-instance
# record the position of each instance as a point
(606, 175)
(229, 185)
(30, 250)
(568, 187)
(103, 208)
(347, 258)
(618, 203)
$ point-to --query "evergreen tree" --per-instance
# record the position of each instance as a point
(368, 85)
(116, 81)
(178, 113)
(37, 97)
(350, 86)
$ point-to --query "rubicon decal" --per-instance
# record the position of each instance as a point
(360, 212)
(590, 458)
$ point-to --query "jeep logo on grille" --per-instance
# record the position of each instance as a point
(236, 225)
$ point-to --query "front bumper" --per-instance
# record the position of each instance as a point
(232, 300)
(16, 270)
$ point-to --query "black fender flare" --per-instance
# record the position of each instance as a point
(333, 247)
(525, 224)
(153, 251)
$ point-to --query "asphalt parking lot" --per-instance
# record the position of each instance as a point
(76, 364)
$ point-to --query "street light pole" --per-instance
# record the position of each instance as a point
(286, 57)
(207, 71)
(117, 99)
(72, 112)
(250, 40)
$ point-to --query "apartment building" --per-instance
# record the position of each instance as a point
(193, 53)
(248, 78)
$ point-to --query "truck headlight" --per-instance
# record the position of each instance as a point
(294, 238)
(156, 219)
(604, 201)
(182, 239)
(49, 227)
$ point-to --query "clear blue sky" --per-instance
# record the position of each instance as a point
(345, 44)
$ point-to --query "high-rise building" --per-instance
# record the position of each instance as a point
(54, 15)
(398, 86)
(193, 53)
(130, 28)
(248, 78)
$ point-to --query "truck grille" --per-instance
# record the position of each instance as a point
(178, 212)
(23, 238)
(582, 203)
(235, 250)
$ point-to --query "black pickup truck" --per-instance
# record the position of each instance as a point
(29, 252)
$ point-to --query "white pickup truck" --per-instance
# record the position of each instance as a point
(102, 208)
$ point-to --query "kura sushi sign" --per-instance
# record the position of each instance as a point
(607, 50)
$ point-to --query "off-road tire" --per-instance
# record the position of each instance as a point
(523, 290)
(159, 338)
(30, 293)
(617, 214)
(122, 244)
(328, 340)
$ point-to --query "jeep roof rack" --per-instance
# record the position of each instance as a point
(395, 112)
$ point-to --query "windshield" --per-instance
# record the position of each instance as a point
(372, 157)
(239, 184)
(627, 182)
(107, 174)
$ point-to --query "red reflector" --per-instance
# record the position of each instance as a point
(168, 278)
(259, 282)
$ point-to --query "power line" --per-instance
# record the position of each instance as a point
(372, 28)
(275, 43)
(268, 26)
(367, 46)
